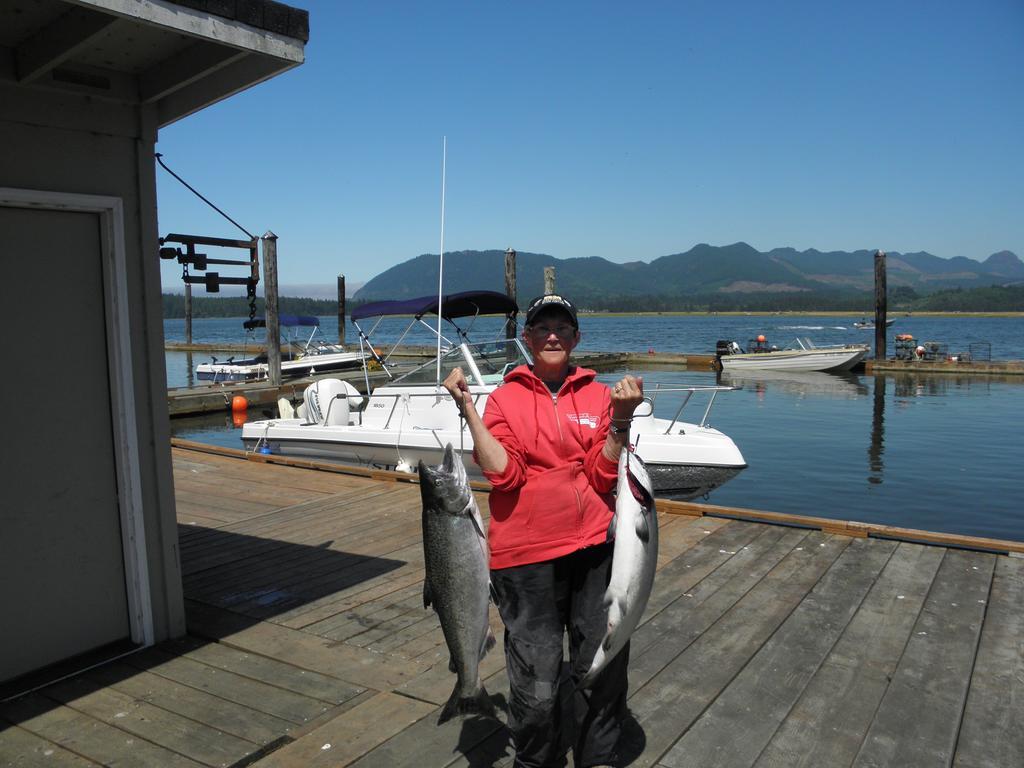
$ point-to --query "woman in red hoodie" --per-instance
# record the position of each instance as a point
(549, 443)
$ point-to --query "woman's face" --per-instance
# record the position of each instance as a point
(550, 338)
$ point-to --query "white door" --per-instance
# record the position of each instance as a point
(62, 571)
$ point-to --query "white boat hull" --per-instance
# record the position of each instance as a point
(816, 359)
(412, 419)
(304, 366)
(686, 464)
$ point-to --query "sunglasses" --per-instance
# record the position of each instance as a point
(543, 331)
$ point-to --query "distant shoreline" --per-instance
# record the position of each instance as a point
(763, 313)
(808, 313)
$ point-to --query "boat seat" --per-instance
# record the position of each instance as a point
(285, 409)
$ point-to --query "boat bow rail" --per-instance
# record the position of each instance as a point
(639, 419)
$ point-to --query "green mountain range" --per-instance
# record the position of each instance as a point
(705, 270)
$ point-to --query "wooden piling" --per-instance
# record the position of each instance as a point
(549, 279)
(270, 296)
(510, 286)
(188, 313)
(880, 305)
(341, 309)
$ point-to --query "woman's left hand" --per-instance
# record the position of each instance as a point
(627, 394)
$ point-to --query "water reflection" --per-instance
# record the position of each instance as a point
(800, 383)
(877, 447)
(940, 384)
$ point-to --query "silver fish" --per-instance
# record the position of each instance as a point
(634, 560)
(457, 583)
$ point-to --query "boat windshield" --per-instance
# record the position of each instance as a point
(484, 363)
(295, 345)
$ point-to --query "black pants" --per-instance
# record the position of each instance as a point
(538, 603)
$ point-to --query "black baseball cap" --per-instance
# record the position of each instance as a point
(551, 300)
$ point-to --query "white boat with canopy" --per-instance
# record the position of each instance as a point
(412, 417)
(300, 355)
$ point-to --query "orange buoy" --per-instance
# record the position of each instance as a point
(761, 339)
(239, 404)
(238, 419)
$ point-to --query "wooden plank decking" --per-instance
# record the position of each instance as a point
(763, 645)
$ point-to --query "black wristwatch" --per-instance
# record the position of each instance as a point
(616, 430)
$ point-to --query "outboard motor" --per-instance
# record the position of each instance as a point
(328, 402)
(724, 347)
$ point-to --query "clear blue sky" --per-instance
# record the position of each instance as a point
(622, 130)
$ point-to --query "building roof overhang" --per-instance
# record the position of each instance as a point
(178, 57)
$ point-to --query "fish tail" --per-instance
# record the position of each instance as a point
(476, 703)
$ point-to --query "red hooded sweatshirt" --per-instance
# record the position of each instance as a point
(554, 496)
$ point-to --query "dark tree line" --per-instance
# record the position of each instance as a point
(238, 306)
(901, 299)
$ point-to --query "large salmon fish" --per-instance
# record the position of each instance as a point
(634, 559)
(457, 583)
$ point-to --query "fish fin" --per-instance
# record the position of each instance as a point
(643, 528)
(451, 665)
(477, 703)
(599, 662)
(489, 642)
(428, 598)
(611, 528)
(478, 522)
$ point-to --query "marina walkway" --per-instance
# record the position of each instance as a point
(763, 645)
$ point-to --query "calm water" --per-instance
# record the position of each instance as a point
(662, 333)
(936, 452)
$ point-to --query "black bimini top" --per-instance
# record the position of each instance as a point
(464, 304)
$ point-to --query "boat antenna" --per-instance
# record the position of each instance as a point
(440, 271)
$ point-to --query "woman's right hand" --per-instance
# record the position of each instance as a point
(458, 388)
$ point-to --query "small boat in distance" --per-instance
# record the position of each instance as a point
(299, 356)
(869, 325)
(759, 355)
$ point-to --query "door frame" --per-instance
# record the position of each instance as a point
(122, 387)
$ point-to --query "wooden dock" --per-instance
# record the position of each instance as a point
(972, 367)
(216, 398)
(763, 645)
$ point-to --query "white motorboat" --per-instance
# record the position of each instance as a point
(412, 418)
(804, 356)
(869, 325)
(300, 356)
